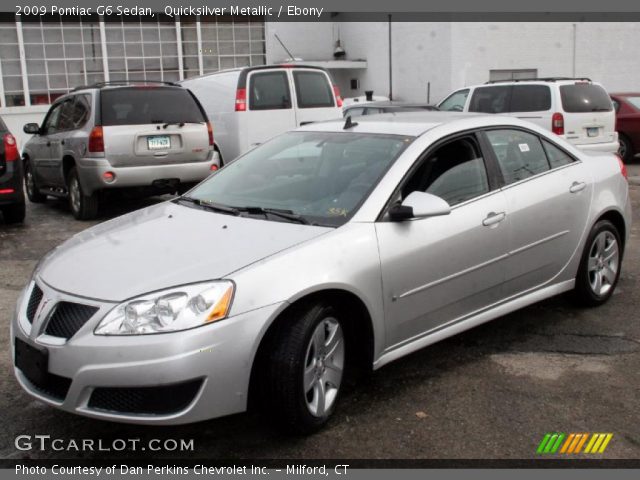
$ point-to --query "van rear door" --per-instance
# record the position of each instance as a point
(588, 113)
(150, 125)
(315, 98)
(270, 109)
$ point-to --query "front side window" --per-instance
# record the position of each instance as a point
(455, 102)
(454, 172)
(321, 176)
(269, 91)
(313, 90)
(51, 122)
(494, 99)
(519, 154)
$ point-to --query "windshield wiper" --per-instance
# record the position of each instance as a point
(214, 207)
(276, 212)
(180, 124)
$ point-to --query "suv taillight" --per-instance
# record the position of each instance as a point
(11, 153)
(557, 124)
(210, 131)
(241, 100)
(336, 93)
(96, 140)
(623, 167)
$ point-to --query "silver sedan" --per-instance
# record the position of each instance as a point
(329, 250)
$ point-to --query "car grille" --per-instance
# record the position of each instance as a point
(68, 318)
(34, 302)
(162, 400)
(53, 385)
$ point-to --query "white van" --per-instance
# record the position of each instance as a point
(577, 109)
(247, 106)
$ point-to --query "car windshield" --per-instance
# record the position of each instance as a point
(312, 177)
(635, 101)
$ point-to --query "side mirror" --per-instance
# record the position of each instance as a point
(419, 205)
(31, 128)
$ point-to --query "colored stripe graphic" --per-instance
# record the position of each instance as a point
(572, 443)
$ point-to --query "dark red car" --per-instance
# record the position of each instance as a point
(627, 107)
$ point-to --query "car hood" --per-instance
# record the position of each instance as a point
(164, 246)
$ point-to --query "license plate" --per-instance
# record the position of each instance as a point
(159, 142)
(32, 361)
(592, 131)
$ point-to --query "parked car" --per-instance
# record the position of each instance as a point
(252, 104)
(576, 109)
(339, 246)
(153, 137)
(374, 108)
(627, 107)
(369, 97)
(11, 193)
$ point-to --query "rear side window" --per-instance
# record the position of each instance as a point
(490, 99)
(520, 154)
(269, 91)
(354, 112)
(585, 97)
(530, 98)
(313, 90)
(557, 158)
(81, 110)
(144, 105)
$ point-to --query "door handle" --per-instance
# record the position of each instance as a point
(577, 187)
(493, 218)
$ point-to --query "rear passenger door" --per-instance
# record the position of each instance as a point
(270, 107)
(314, 98)
(548, 194)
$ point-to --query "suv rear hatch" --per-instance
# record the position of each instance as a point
(588, 113)
(150, 125)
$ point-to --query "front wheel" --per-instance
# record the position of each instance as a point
(600, 265)
(305, 370)
(83, 207)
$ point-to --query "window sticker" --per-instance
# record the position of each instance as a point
(524, 147)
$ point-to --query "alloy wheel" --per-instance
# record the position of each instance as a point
(604, 261)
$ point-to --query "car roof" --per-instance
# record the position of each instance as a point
(625, 94)
(386, 103)
(411, 123)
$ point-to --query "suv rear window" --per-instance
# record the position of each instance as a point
(313, 90)
(143, 105)
(511, 98)
(585, 97)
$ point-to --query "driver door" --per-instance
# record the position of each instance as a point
(437, 270)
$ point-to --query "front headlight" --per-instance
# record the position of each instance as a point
(179, 308)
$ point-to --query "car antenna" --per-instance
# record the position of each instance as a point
(349, 123)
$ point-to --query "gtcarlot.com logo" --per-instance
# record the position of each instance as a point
(573, 443)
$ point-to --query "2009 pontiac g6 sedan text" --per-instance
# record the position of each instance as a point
(336, 246)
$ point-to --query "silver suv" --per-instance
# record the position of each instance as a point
(149, 137)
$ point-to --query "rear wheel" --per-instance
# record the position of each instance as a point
(600, 265)
(626, 149)
(305, 369)
(83, 207)
(14, 213)
(30, 186)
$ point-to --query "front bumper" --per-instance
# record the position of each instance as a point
(91, 170)
(219, 355)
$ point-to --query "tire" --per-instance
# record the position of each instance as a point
(14, 213)
(305, 369)
(83, 207)
(626, 149)
(600, 265)
(30, 185)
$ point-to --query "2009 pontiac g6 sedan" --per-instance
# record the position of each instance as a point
(334, 247)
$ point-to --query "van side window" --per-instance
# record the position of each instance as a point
(530, 98)
(269, 91)
(557, 158)
(520, 154)
(493, 99)
(313, 90)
